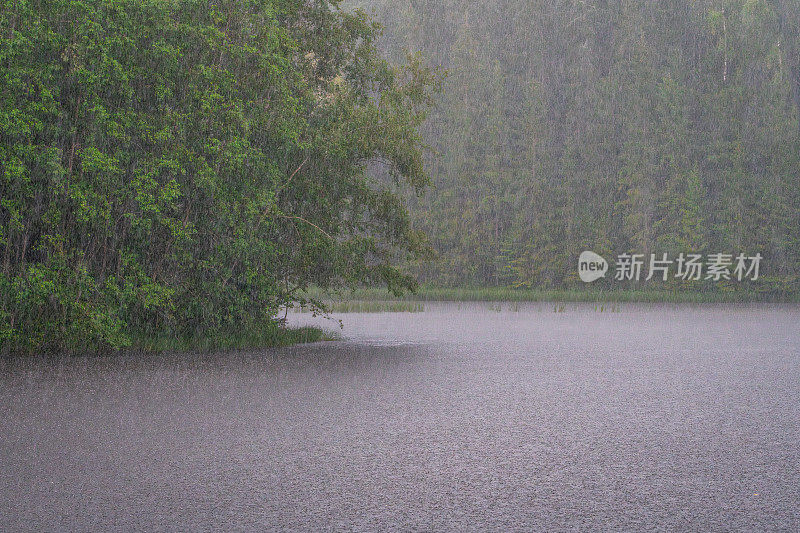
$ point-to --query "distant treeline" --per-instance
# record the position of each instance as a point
(617, 126)
(187, 167)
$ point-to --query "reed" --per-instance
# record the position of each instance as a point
(267, 337)
(580, 295)
(372, 306)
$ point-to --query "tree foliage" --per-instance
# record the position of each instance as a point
(186, 166)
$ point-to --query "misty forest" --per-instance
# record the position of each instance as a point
(191, 168)
(615, 126)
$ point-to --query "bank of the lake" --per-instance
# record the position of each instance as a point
(266, 337)
(248, 338)
(587, 294)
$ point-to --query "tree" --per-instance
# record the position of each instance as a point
(186, 167)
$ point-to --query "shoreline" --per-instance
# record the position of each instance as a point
(501, 294)
(250, 339)
(245, 340)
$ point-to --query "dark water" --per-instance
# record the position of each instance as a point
(459, 418)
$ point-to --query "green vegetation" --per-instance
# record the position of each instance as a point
(633, 126)
(272, 336)
(508, 294)
(373, 306)
(181, 169)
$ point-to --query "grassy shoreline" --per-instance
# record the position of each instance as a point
(244, 340)
(247, 339)
(502, 294)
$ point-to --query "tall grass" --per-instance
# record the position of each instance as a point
(372, 306)
(504, 294)
(267, 337)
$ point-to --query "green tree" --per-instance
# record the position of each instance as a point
(186, 167)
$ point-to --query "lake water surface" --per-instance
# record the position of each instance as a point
(463, 417)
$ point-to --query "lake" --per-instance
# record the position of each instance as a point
(478, 416)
